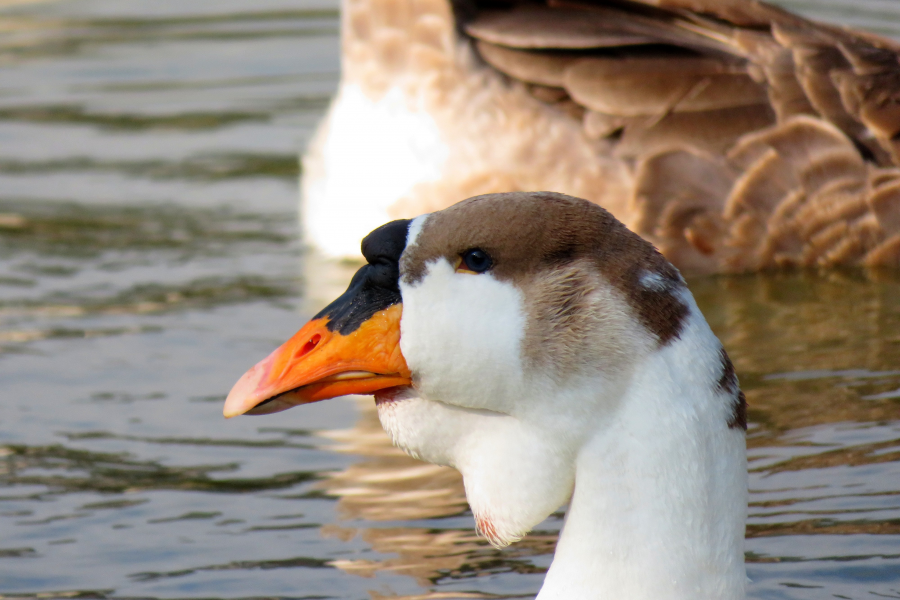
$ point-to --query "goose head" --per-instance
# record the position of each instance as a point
(534, 343)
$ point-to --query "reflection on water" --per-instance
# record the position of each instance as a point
(148, 256)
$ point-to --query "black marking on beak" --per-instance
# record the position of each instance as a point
(376, 286)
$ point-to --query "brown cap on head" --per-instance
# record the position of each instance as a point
(527, 233)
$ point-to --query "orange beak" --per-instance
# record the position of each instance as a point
(318, 363)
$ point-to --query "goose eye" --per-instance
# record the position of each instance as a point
(475, 261)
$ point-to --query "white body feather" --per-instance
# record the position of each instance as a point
(366, 155)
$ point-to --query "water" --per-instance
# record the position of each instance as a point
(148, 256)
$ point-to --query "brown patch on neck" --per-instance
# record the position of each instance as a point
(576, 324)
(530, 233)
(728, 384)
(739, 416)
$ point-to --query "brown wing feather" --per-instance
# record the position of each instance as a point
(757, 138)
(534, 26)
(659, 85)
(542, 68)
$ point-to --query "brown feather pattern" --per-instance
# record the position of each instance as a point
(743, 159)
(734, 135)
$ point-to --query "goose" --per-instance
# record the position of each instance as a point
(550, 355)
(733, 135)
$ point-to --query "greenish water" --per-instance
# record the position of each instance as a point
(148, 256)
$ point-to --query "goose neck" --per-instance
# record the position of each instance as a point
(659, 504)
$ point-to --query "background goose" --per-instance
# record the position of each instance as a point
(550, 355)
(732, 134)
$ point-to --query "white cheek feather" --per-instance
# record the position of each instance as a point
(365, 156)
(461, 335)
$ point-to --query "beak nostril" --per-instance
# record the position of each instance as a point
(310, 345)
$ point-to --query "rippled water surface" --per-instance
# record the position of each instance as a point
(148, 256)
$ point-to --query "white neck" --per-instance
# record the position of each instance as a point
(660, 495)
